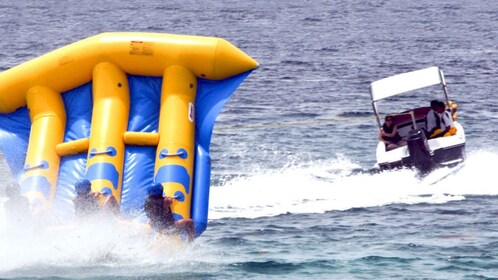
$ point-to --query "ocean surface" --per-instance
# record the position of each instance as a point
(287, 200)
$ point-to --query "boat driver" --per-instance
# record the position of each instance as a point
(439, 122)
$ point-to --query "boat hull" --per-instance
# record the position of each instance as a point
(448, 156)
(424, 155)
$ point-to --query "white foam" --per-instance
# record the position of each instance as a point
(93, 248)
(313, 187)
(323, 186)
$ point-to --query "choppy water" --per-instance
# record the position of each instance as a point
(286, 202)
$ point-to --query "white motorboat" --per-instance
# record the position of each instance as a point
(418, 152)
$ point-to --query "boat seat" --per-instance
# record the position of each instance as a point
(403, 120)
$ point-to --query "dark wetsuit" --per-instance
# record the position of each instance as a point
(86, 205)
(392, 139)
(160, 219)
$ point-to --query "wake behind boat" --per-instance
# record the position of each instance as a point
(416, 148)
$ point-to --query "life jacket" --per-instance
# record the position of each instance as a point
(439, 128)
(439, 120)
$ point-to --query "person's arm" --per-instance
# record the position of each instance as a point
(431, 132)
(186, 226)
(433, 129)
(446, 129)
(439, 134)
(381, 138)
(112, 204)
(394, 132)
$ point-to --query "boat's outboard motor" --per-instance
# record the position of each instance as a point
(420, 154)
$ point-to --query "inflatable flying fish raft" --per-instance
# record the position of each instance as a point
(123, 110)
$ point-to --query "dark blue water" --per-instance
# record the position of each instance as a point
(285, 203)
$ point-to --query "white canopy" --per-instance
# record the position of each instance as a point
(406, 82)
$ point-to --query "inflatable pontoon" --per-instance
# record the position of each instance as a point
(123, 110)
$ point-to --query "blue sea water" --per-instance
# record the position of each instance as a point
(286, 200)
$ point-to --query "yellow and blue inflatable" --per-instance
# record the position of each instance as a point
(124, 110)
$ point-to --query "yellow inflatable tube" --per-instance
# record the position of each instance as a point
(175, 151)
(145, 54)
(48, 118)
(111, 105)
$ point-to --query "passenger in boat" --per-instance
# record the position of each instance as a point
(158, 210)
(17, 206)
(439, 122)
(389, 134)
(86, 202)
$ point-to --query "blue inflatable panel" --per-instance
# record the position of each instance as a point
(138, 172)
